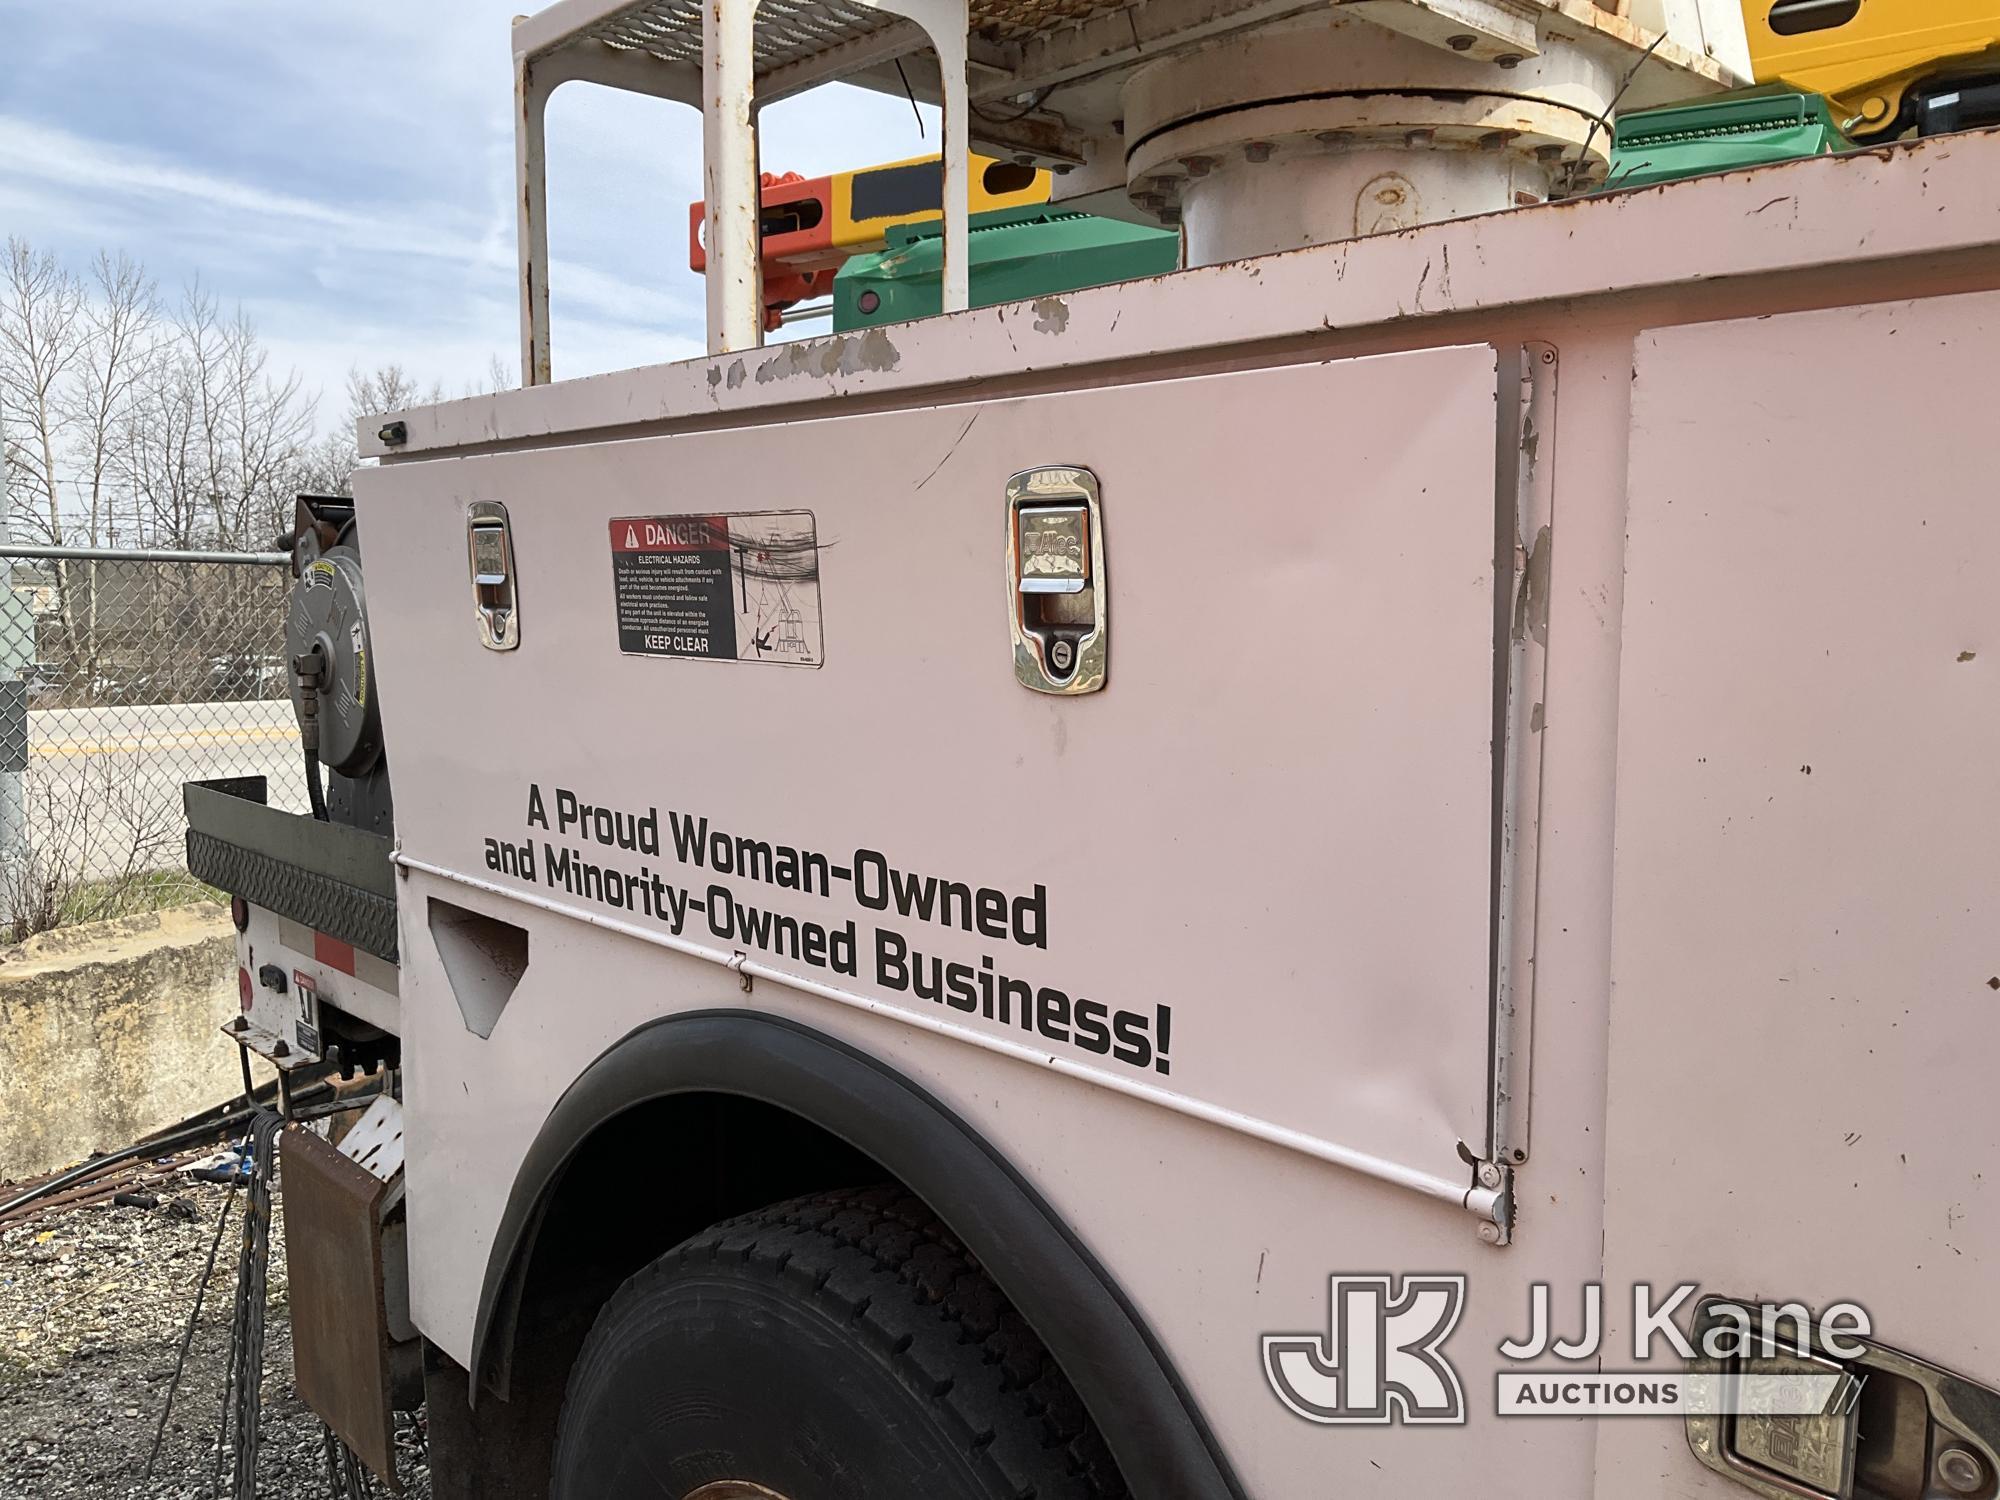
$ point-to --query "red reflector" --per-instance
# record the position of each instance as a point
(332, 952)
(244, 989)
(239, 913)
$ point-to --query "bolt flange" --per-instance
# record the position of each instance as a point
(1961, 1470)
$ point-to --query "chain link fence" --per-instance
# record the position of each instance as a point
(124, 674)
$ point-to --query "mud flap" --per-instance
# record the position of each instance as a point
(343, 1352)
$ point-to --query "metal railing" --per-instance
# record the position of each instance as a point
(124, 673)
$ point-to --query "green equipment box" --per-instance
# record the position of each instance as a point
(1721, 135)
(1015, 253)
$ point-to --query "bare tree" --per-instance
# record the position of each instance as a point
(387, 388)
(326, 467)
(119, 343)
(129, 420)
(42, 335)
(498, 377)
(215, 439)
(41, 338)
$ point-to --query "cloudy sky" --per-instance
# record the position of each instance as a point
(344, 170)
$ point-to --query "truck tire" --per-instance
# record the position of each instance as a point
(842, 1346)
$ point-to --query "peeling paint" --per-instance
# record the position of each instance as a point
(844, 354)
(1051, 315)
(780, 366)
(736, 374)
(872, 351)
(1531, 610)
(1535, 720)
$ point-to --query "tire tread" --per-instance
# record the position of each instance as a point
(878, 1259)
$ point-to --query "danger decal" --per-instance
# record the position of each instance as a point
(726, 587)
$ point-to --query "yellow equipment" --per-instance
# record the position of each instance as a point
(813, 224)
(1876, 61)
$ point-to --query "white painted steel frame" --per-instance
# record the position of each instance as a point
(559, 45)
(1519, 732)
(734, 277)
(549, 51)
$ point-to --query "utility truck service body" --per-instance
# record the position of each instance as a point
(1448, 756)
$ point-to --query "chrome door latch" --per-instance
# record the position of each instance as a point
(1795, 1419)
(1055, 580)
(490, 546)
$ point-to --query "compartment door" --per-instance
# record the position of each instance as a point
(1805, 1013)
(1266, 844)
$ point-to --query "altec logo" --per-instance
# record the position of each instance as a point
(1380, 1360)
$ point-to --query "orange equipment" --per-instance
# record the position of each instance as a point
(808, 226)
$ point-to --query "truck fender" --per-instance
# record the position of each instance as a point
(1140, 1405)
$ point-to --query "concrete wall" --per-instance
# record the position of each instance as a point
(109, 1030)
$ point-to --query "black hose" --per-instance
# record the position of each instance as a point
(215, 1114)
(308, 672)
(314, 789)
(161, 1144)
(166, 1145)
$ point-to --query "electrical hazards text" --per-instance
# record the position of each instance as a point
(729, 587)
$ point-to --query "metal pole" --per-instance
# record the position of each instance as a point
(948, 37)
(9, 550)
(729, 175)
(944, 22)
(13, 713)
(531, 202)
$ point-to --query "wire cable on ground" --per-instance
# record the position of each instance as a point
(243, 1390)
(268, 1153)
(187, 1336)
(197, 1131)
(345, 1478)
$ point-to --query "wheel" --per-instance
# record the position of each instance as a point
(837, 1347)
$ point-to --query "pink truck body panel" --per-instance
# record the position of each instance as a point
(1735, 819)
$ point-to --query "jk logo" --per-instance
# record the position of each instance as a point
(1381, 1361)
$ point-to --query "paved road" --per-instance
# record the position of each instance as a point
(103, 785)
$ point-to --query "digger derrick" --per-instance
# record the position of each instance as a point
(964, 892)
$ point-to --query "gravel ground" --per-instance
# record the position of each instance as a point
(93, 1302)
